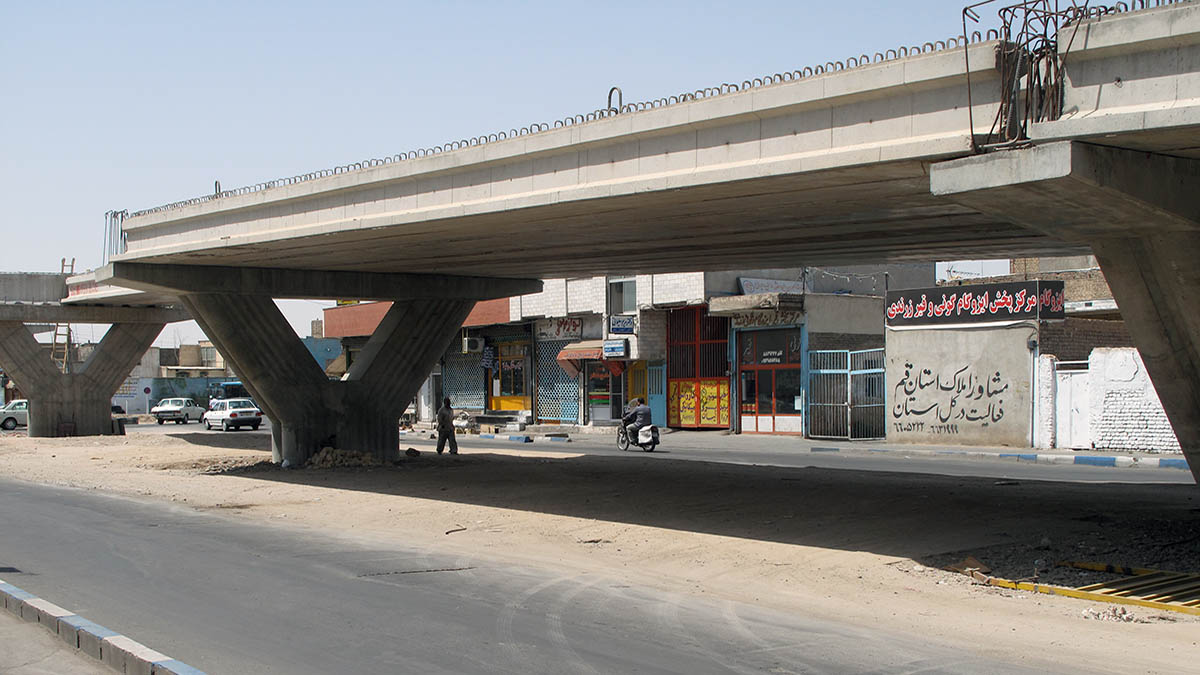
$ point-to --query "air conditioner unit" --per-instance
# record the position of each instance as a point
(472, 344)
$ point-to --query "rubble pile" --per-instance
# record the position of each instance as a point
(1115, 613)
(332, 458)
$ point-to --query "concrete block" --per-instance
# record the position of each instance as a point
(14, 598)
(173, 667)
(729, 143)
(1095, 460)
(44, 612)
(130, 657)
(667, 153)
(865, 81)
(68, 629)
(788, 94)
(91, 636)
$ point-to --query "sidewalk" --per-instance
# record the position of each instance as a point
(26, 648)
(725, 441)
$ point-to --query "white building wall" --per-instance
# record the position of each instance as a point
(1125, 411)
(551, 302)
(1044, 399)
(586, 295)
(685, 288)
(651, 343)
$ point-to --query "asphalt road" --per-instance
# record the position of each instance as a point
(228, 597)
(790, 452)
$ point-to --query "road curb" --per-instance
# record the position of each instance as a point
(107, 646)
(502, 437)
(1113, 461)
(551, 439)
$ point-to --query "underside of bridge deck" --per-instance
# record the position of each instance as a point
(1140, 214)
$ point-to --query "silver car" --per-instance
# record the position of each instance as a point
(177, 410)
(15, 414)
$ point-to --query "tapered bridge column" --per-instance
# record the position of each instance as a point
(77, 403)
(234, 306)
(1140, 214)
(360, 412)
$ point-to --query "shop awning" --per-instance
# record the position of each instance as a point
(572, 356)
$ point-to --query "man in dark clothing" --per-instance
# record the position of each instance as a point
(637, 417)
(445, 427)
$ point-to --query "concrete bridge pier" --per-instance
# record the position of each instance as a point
(1140, 213)
(308, 411)
(75, 403)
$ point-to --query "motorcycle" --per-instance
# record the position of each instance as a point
(647, 438)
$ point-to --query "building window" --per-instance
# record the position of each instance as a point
(622, 296)
(208, 357)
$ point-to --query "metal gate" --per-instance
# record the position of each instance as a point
(846, 394)
(557, 391)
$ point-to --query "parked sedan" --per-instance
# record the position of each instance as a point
(15, 414)
(232, 413)
(177, 410)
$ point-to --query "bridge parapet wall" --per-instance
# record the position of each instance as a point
(1129, 72)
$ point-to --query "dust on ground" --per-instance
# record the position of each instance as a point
(857, 547)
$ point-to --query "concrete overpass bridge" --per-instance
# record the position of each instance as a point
(1074, 133)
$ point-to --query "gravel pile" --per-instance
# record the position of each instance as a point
(332, 458)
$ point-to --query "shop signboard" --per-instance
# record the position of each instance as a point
(622, 324)
(751, 285)
(762, 318)
(566, 328)
(488, 358)
(616, 349)
(978, 303)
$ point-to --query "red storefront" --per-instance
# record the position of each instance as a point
(771, 377)
(697, 369)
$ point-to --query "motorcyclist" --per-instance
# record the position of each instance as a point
(637, 418)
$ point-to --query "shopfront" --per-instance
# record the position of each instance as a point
(697, 369)
(605, 390)
(509, 377)
(771, 380)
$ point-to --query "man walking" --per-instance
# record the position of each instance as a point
(445, 427)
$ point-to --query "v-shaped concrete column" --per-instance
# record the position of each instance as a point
(1140, 214)
(77, 403)
(360, 412)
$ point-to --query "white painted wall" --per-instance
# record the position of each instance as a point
(1126, 413)
(1044, 402)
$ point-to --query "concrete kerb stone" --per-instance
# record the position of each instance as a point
(502, 437)
(1114, 461)
(130, 657)
(113, 649)
(46, 613)
(14, 598)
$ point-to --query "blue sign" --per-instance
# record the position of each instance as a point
(616, 349)
(622, 324)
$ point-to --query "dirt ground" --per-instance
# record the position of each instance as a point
(858, 547)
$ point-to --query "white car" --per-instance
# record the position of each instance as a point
(177, 410)
(15, 414)
(232, 413)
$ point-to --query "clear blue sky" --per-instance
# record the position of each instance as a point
(130, 105)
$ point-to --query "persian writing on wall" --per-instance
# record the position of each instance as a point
(942, 401)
